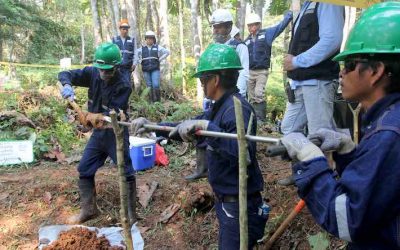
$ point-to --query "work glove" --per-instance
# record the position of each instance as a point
(67, 92)
(137, 125)
(186, 129)
(300, 148)
(96, 120)
(334, 140)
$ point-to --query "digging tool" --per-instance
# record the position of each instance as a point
(75, 106)
(285, 224)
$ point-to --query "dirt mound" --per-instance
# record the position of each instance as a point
(81, 238)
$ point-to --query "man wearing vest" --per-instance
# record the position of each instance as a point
(359, 202)
(259, 43)
(222, 21)
(150, 57)
(108, 90)
(128, 47)
(316, 39)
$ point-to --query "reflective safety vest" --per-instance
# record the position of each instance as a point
(150, 59)
(127, 50)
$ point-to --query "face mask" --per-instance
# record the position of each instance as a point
(218, 38)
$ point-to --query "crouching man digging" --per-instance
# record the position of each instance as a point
(108, 89)
(218, 72)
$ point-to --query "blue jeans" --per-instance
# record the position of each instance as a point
(228, 219)
(152, 78)
(313, 106)
(101, 145)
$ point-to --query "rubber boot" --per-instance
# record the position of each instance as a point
(288, 181)
(260, 109)
(131, 183)
(201, 168)
(157, 95)
(89, 208)
(151, 95)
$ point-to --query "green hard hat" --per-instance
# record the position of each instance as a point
(107, 55)
(218, 57)
(376, 32)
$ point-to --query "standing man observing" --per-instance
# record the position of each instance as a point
(127, 46)
(316, 39)
(359, 202)
(259, 44)
(150, 56)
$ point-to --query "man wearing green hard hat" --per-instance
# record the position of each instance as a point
(108, 90)
(360, 201)
(218, 70)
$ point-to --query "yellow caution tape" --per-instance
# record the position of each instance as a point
(41, 65)
(352, 3)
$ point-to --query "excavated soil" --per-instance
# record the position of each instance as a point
(79, 238)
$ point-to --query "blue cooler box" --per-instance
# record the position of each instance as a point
(142, 152)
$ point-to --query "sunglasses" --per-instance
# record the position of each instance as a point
(350, 65)
(205, 78)
(124, 28)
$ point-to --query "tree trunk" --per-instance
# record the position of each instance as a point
(149, 17)
(113, 19)
(82, 44)
(241, 16)
(183, 54)
(96, 23)
(258, 8)
(154, 11)
(194, 6)
(164, 41)
(138, 20)
(117, 15)
(349, 22)
(214, 5)
(131, 16)
(107, 25)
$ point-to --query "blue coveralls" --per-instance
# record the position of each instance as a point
(128, 54)
(102, 97)
(363, 205)
(223, 173)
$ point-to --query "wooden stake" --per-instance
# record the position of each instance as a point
(242, 143)
(123, 187)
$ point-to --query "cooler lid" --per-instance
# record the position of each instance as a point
(138, 141)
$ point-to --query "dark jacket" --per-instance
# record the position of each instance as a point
(102, 97)
(363, 205)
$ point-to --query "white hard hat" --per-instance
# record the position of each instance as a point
(221, 16)
(234, 31)
(150, 33)
(253, 18)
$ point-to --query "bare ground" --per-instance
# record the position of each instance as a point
(47, 194)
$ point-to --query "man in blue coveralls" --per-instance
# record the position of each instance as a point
(108, 89)
(360, 202)
(218, 72)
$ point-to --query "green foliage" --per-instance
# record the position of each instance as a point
(319, 241)
(278, 7)
(161, 111)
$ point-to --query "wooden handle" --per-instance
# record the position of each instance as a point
(285, 224)
(75, 106)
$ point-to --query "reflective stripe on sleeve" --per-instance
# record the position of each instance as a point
(341, 217)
